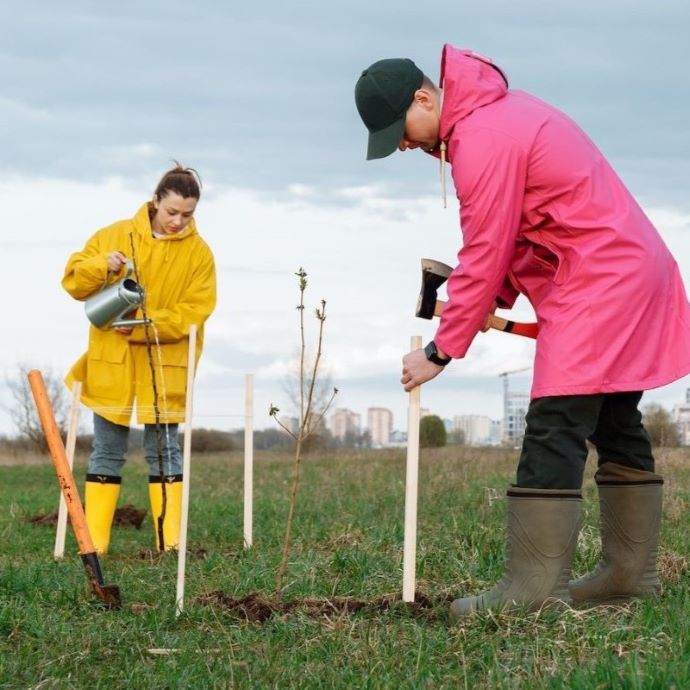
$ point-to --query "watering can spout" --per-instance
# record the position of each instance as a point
(109, 307)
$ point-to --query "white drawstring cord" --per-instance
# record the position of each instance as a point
(443, 146)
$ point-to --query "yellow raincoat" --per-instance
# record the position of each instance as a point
(178, 275)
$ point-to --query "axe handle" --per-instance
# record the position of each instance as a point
(528, 330)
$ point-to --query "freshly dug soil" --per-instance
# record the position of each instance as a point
(127, 516)
(258, 609)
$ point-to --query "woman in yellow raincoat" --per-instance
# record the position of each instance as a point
(176, 269)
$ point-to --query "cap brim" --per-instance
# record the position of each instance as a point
(383, 142)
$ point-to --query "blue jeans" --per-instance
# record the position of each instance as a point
(110, 447)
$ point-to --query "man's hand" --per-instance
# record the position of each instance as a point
(486, 325)
(417, 369)
(116, 260)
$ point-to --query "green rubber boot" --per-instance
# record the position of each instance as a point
(542, 529)
(630, 515)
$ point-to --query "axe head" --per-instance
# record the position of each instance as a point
(434, 274)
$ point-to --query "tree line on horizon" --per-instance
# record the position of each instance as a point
(29, 436)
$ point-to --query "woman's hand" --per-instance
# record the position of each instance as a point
(116, 260)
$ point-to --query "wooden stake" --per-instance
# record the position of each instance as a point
(411, 481)
(248, 459)
(61, 530)
(186, 471)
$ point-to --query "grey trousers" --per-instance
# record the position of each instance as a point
(554, 449)
(110, 447)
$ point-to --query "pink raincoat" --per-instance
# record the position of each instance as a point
(545, 215)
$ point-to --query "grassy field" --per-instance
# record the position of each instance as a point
(348, 542)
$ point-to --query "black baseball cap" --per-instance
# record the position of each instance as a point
(383, 93)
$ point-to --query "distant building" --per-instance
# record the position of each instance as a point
(380, 424)
(344, 422)
(291, 423)
(681, 417)
(477, 429)
(496, 433)
(515, 404)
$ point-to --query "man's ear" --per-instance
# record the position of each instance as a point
(423, 98)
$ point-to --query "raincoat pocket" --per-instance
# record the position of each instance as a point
(106, 370)
(173, 360)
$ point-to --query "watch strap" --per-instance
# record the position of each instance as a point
(431, 352)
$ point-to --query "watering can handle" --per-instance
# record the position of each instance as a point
(129, 269)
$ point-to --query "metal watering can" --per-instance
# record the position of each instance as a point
(107, 308)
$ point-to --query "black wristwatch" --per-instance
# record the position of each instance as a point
(431, 352)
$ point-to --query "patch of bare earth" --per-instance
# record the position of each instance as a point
(127, 516)
(258, 609)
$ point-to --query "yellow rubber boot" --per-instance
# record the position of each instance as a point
(173, 510)
(100, 494)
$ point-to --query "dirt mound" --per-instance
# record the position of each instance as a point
(153, 555)
(43, 519)
(127, 516)
(257, 609)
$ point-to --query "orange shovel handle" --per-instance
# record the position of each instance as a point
(59, 457)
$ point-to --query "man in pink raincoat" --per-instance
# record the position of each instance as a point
(544, 214)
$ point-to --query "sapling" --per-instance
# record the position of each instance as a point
(309, 419)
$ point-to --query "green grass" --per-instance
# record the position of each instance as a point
(347, 542)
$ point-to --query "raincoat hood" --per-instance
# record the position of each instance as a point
(142, 225)
(469, 81)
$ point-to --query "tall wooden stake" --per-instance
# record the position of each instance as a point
(70, 445)
(411, 481)
(248, 459)
(186, 472)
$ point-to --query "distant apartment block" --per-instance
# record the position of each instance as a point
(478, 430)
(344, 422)
(681, 417)
(380, 424)
(291, 424)
(515, 409)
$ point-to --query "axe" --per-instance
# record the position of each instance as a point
(434, 274)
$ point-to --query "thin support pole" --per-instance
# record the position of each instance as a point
(186, 472)
(248, 459)
(71, 443)
(411, 482)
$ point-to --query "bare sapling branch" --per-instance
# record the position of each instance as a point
(306, 425)
(273, 412)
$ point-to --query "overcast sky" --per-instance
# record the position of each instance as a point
(97, 98)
